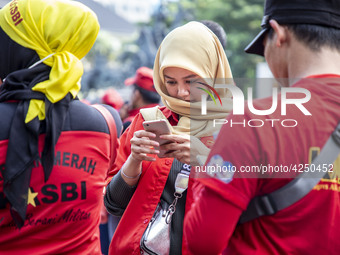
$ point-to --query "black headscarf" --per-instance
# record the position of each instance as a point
(22, 148)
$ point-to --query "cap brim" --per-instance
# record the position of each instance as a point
(256, 46)
(129, 81)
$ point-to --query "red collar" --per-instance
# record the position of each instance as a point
(171, 116)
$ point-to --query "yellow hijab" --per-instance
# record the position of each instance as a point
(36, 24)
(196, 48)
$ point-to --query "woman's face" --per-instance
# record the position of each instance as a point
(183, 84)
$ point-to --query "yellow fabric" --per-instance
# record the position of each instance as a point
(36, 24)
(196, 48)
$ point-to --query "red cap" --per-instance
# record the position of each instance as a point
(143, 79)
(113, 98)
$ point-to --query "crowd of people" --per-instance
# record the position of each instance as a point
(68, 167)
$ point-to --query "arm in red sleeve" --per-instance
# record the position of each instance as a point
(210, 223)
(124, 148)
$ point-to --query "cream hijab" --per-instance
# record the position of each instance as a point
(196, 48)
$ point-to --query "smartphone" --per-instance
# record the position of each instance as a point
(158, 127)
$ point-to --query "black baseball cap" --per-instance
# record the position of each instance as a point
(316, 12)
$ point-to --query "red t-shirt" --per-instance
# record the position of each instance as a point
(63, 213)
(310, 226)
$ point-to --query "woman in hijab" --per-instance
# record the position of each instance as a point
(190, 60)
(54, 150)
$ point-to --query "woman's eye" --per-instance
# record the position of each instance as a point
(170, 82)
(191, 81)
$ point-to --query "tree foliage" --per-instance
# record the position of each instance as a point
(241, 20)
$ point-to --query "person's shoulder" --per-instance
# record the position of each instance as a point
(116, 117)
(85, 117)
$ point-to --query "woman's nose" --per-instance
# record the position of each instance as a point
(183, 89)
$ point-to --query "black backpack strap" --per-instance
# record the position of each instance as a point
(299, 187)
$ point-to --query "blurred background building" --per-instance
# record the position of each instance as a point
(109, 20)
(135, 11)
(3, 2)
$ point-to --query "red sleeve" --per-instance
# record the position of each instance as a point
(124, 148)
(215, 211)
(210, 223)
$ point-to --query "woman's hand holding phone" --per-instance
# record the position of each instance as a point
(158, 128)
(179, 147)
(141, 145)
(184, 148)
